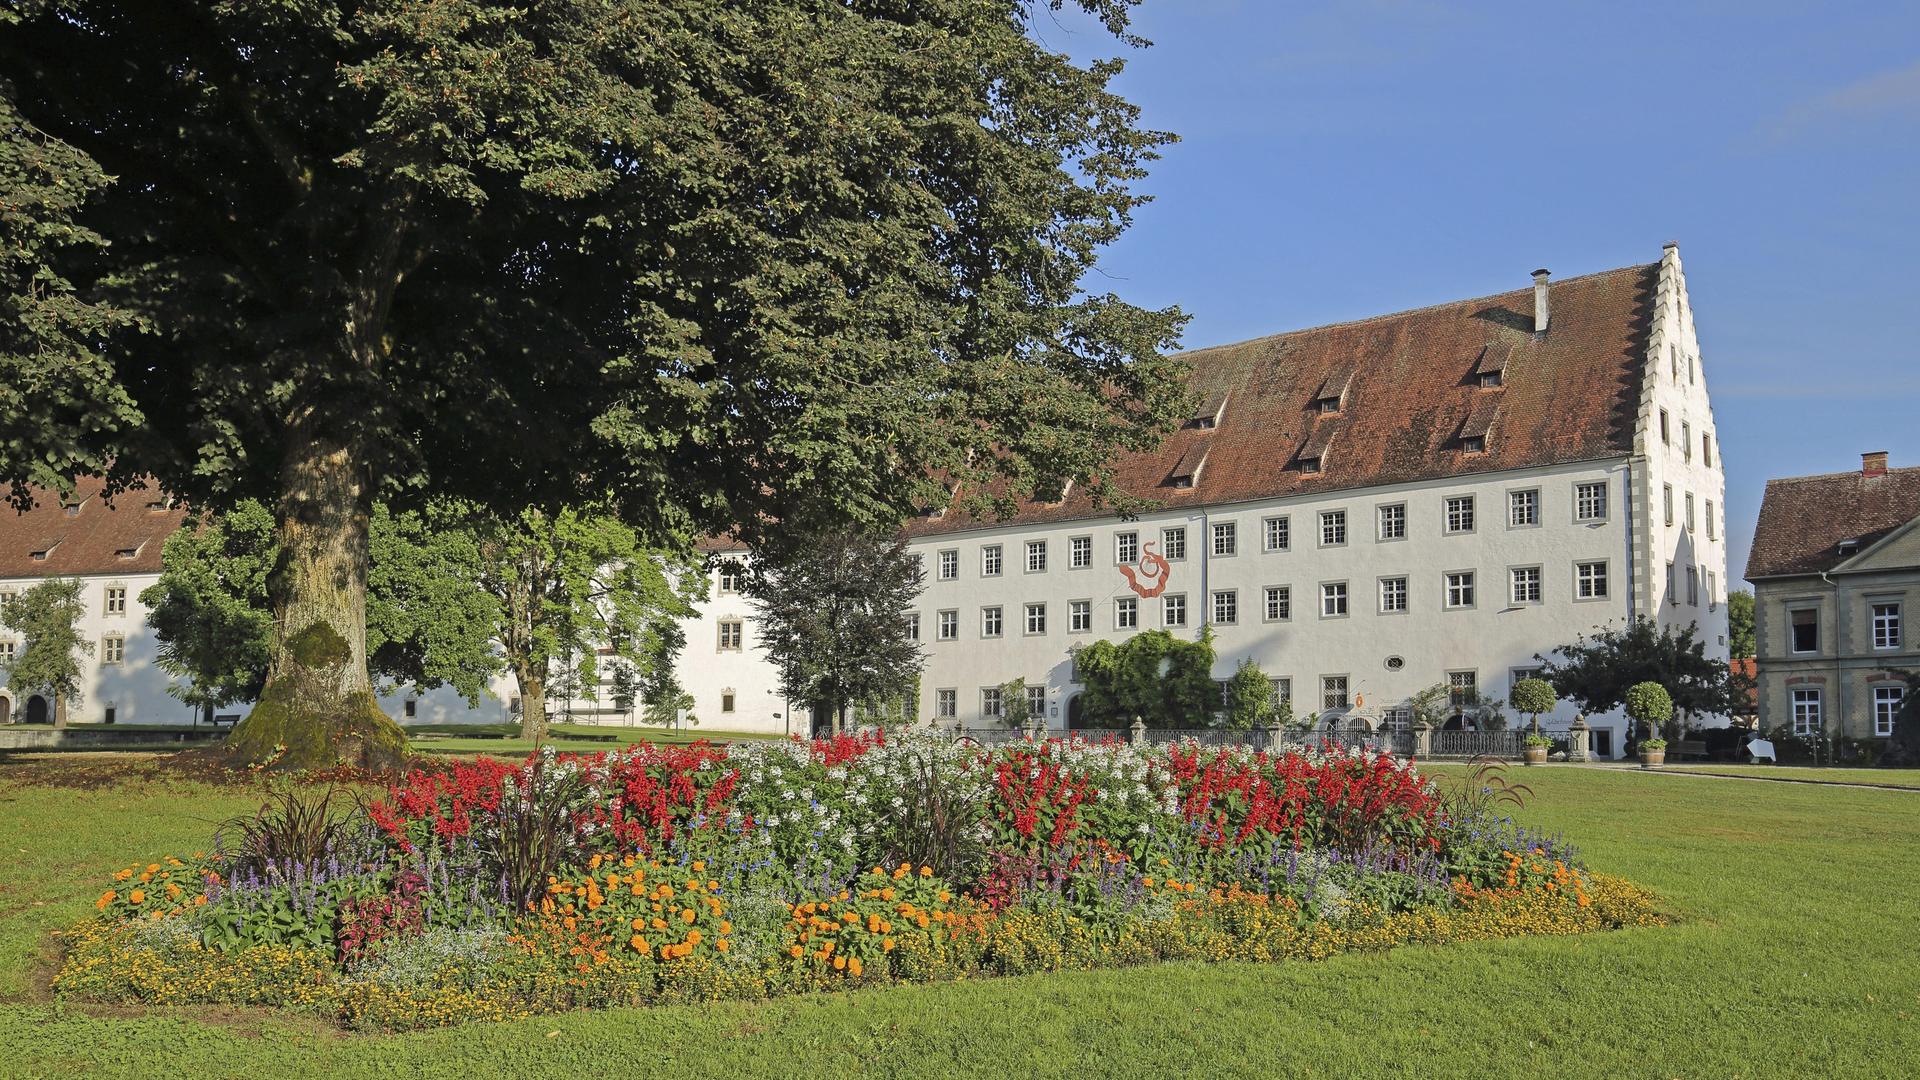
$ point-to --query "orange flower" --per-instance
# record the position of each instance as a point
(853, 965)
(639, 944)
(693, 936)
(105, 899)
(926, 871)
(839, 963)
(688, 915)
(137, 896)
(726, 927)
(723, 945)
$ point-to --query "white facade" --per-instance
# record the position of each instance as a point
(119, 683)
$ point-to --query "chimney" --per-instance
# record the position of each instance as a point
(1540, 312)
(1873, 463)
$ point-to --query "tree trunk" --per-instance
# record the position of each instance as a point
(533, 700)
(59, 710)
(318, 709)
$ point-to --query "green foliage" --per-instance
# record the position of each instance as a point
(1649, 703)
(1597, 671)
(1250, 698)
(47, 618)
(209, 611)
(1153, 675)
(1431, 706)
(1015, 711)
(1740, 633)
(833, 618)
(428, 622)
(1533, 697)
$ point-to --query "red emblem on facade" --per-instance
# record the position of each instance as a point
(1151, 581)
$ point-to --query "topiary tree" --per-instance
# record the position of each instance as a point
(1015, 711)
(1533, 697)
(1250, 697)
(1650, 704)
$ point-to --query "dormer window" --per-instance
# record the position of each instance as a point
(1490, 379)
(1473, 444)
(1327, 404)
(1489, 368)
(1208, 416)
(1310, 464)
(1332, 394)
(1846, 547)
(41, 555)
(1186, 472)
(126, 553)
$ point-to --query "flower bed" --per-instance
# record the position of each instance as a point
(660, 874)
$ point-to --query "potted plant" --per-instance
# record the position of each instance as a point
(1533, 697)
(1650, 704)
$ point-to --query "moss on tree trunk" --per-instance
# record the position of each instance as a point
(318, 709)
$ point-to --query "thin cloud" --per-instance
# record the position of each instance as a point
(1889, 91)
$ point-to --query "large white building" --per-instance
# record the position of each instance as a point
(1370, 508)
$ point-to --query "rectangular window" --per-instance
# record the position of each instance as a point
(1673, 590)
(1693, 586)
(1460, 514)
(1590, 580)
(1886, 626)
(1036, 556)
(1279, 603)
(990, 561)
(1226, 607)
(991, 621)
(1460, 589)
(731, 578)
(1333, 599)
(1226, 539)
(1126, 613)
(7, 648)
(1666, 501)
(1333, 528)
(1709, 517)
(1590, 501)
(1523, 508)
(1664, 439)
(990, 703)
(1278, 533)
(1080, 552)
(1713, 591)
(1333, 691)
(1886, 707)
(1463, 688)
(1126, 548)
(726, 702)
(1079, 615)
(1686, 440)
(1173, 542)
(1393, 521)
(1526, 585)
(410, 708)
(1282, 689)
(1036, 701)
(1393, 594)
(949, 626)
(1689, 505)
(949, 565)
(1806, 711)
(946, 704)
(732, 635)
(1036, 618)
(116, 600)
(1706, 449)
(1173, 609)
(113, 650)
(913, 626)
(1806, 630)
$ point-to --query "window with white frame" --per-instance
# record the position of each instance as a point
(1708, 512)
(1673, 592)
(1393, 521)
(1706, 449)
(949, 565)
(1333, 599)
(1590, 501)
(115, 600)
(1713, 591)
(990, 560)
(1886, 708)
(1590, 580)
(113, 649)
(948, 626)
(1173, 609)
(1463, 689)
(991, 621)
(1665, 439)
(1805, 623)
(1226, 539)
(1523, 508)
(1399, 718)
(1173, 542)
(1686, 441)
(1226, 606)
(913, 626)
(1806, 711)
(1333, 691)
(1036, 701)
(1393, 594)
(1036, 556)
(1526, 585)
(1079, 616)
(946, 704)
(1666, 501)
(1689, 504)
(1886, 625)
(1460, 589)
(8, 649)
(1036, 618)
(1333, 528)
(732, 577)
(1282, 689)
(1279, 602)
(1126, 548)
(1080, 552)
(1460, 514)
(1693, 586)
(990, 706)
(732, 635)
(1126, 613)
(1277, 533)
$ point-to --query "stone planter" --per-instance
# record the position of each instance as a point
(1653, 759)
(1534, 755)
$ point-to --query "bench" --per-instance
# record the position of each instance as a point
(1688, 748)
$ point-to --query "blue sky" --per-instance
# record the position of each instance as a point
(1347, 159)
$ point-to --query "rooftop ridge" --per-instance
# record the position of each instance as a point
(1845, 474)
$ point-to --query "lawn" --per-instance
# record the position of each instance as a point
(1904, 778)
(1795, 957)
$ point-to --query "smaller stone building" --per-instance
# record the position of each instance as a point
(1835, 569)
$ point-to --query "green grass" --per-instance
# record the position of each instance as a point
(1795, 958)
(504, 739)
(1902, 778)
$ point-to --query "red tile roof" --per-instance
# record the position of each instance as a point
(1803, 519)
(1409, 391)
(90, 538)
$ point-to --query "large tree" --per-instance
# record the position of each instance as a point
(1598, 670)
(1153, 675)
(47, 659)
(751, 268)
(833, 619)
